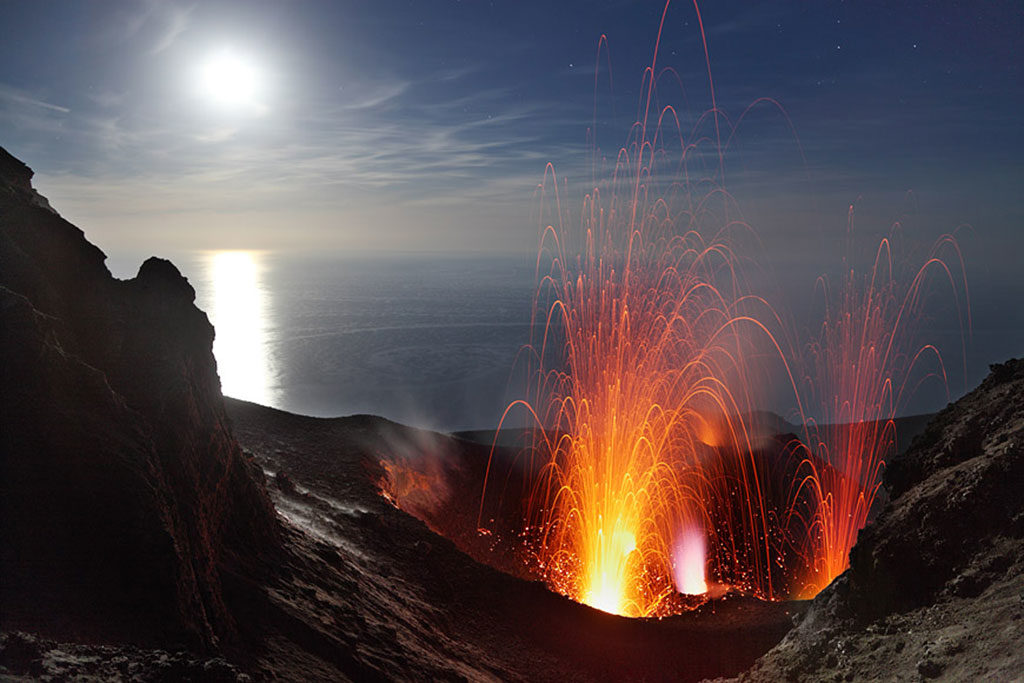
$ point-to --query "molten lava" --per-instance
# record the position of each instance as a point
(641, 377)
(688, 560)
(859, 373)
(652, 480)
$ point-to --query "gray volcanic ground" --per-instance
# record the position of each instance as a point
(407, 602)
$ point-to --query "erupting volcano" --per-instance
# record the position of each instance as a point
(653, 478)
(678, 416)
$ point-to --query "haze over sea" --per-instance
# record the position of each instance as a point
(426, 340)
(431, 340)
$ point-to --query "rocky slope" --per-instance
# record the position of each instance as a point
(936, 583)
(126, 507)
(370, 592)
(137, 541)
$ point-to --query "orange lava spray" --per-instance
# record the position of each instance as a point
(641, 382)
(862, 365)
(649, 479)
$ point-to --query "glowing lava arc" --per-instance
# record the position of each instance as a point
(648, 481)
(647, 329)
(645, 347)
(862, 366)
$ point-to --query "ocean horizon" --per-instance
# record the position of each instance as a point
(425, 339)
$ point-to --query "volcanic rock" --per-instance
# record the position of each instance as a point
(370, 592)
(934, 583)
(137, 540)
(26, 656)
(126, 506)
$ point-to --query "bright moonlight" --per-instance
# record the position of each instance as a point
(229, 79)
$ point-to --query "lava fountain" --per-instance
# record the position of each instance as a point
(649, 349)
(641, 381)
(650, 480)
(862, 365)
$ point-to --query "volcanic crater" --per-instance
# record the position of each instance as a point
(156, 530)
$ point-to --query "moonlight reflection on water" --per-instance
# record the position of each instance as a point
(239, 313)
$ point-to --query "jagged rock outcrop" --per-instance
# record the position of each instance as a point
(126, 506)
(935, 586)
(955, 495)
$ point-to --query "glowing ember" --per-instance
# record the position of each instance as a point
(641, 380)
(688, 559)
(859, 372)
(651, 481)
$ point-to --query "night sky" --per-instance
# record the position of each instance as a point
(426, 125)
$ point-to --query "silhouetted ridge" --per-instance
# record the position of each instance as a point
(125, 502)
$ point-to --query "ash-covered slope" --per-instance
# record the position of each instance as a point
(127, 511)
(368, 592)
(936, 583)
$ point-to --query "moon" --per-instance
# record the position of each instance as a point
(230, 80)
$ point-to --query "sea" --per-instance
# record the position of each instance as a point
(437, 341)
(425, 340)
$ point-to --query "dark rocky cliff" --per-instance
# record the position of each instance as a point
(127, 510)
(935, 586)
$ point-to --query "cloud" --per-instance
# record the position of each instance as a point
(413, 149)
(173, 22)
(154, 23)
(372, 95)
(20, 97)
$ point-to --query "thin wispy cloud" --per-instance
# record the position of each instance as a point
(174, 21)
(368, 110)
(19, 97)
(153, 24)
(370, 95)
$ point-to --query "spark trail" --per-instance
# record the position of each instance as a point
(652, 480)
